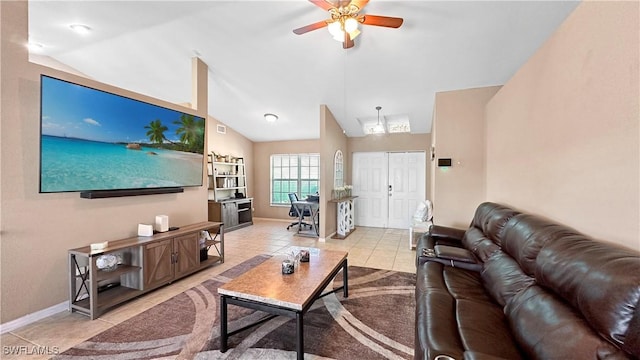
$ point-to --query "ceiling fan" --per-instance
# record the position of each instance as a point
(345, 18)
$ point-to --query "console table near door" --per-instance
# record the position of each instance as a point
(345, 210)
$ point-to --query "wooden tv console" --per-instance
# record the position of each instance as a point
(145, 263)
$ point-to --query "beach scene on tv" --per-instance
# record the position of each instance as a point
(94, 140)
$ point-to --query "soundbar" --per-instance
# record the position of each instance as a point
(101, 194)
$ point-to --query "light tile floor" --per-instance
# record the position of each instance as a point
(369, 247)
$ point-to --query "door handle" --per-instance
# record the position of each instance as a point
(390, 190)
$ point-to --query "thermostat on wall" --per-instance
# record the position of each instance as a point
(444, 162)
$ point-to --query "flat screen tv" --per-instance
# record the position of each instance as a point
(93, 140)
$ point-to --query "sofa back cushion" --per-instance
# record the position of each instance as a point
(600, 281)
(491, 219)
(475, 241)
(524, 235)
(503, 278)
(546, 327)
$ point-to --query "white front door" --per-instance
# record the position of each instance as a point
(407, 176)
(389, 187)
(370, 173)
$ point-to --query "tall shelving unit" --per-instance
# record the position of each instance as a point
(228, 202)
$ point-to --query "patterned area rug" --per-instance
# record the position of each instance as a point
(376, 321)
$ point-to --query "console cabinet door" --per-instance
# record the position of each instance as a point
(158, 267)
(187, 254)
(230, 214)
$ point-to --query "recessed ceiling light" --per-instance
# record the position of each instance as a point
(80, 29)
(270, 117)
(35, 47)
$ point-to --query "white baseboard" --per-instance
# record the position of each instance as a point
(324, 239)
(33, 317)
(274, 219)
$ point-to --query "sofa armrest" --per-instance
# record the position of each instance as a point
(429, 255)
(449, 233)
(455, 254)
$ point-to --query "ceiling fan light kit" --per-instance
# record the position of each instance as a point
(350, 25)
(343, 25)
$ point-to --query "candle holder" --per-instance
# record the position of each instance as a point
(287, 267)
(295, 259)
(304, 255)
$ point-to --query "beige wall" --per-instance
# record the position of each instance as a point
(262, 152)
(459, 118)
(390, 142)
(332, 139)
(38, 229)
(235, 144)
(563, 133)
(431, 163)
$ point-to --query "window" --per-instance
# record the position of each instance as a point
(294, 173)
(338, 175)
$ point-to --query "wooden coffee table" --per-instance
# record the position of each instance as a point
(265, 288)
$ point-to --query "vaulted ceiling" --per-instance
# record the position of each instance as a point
(257, 65)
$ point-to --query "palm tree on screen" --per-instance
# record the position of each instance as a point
(191, 132)
(156, 131)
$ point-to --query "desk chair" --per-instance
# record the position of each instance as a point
(294, 213)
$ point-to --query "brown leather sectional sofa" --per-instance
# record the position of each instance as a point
(541, 291)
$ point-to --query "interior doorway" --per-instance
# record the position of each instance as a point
(389, 186)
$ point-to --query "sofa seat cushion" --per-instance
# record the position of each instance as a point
(454, 315)
(483, 328)
(461, 284)
(436, 325)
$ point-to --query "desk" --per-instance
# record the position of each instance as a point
(345, 212)
(314, 208)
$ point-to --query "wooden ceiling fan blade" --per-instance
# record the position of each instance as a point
(385, 21)
(359, 3)
(310, 27)
(323, 4)
(348, 42)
